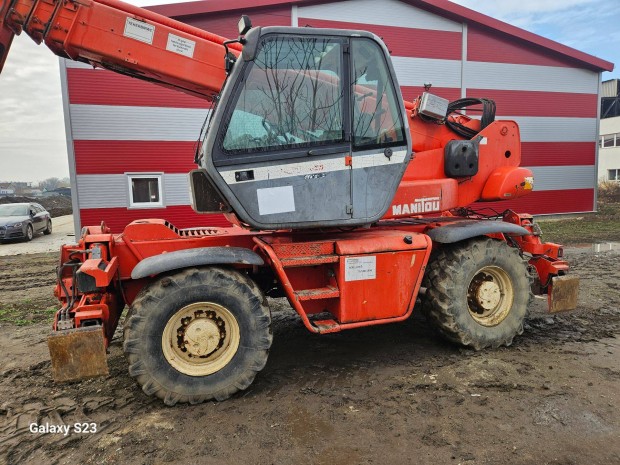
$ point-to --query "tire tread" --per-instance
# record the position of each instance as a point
(445, 290)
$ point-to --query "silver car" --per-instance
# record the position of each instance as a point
(23, 221)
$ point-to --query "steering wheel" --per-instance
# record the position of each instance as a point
(272, 131)
(306, 135)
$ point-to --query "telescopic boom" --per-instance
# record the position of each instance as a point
(123, 38)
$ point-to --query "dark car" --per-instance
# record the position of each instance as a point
(23, 221)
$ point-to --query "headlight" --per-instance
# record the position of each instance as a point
(16, 225)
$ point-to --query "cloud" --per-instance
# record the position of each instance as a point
(510, 8)
(32, 130)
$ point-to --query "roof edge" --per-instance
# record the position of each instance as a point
(443, 8)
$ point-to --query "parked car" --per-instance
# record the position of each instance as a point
(23, 221)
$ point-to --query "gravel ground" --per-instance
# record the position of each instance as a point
(62, 233)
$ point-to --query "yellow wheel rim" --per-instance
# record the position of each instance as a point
(490, 296)
(200, 339)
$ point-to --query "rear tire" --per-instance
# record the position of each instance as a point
(478, 292)
(197, 334)
(47, 231)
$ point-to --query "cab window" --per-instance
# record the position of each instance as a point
(376, 115)
(292, 97)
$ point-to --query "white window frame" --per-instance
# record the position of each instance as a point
(615, 143)
(144, 205)
(617, 170)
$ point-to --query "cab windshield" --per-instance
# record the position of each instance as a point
(292, 97)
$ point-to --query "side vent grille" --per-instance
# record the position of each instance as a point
(195, 232)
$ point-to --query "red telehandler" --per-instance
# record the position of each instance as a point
(352, 203)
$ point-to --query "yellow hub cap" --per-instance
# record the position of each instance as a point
(490, 296)
(200, 339)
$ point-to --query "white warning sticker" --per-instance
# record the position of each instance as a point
(275, 200)
(139, 30)
(360, 268)
(181, 45)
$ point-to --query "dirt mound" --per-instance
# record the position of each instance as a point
(57, 205)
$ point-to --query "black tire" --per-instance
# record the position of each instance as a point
(455, 297)
(155, 308)
(47, 231)
(29, 233)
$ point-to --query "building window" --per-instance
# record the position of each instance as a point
(614, 175)
(610, 140)
(145, 190)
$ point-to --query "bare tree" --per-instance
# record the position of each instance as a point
(49, 184)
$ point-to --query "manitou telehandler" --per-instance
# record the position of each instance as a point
(350, 202)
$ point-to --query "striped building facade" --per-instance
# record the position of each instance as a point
(121, 130)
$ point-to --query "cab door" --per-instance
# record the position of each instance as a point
(283, 149)
(380, 138)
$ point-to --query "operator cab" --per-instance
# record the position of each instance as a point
(310, 131)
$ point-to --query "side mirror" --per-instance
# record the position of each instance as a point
(32, 213)
(244, 26)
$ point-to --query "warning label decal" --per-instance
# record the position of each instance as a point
(139, 30)
(360, 268)
(181, 45)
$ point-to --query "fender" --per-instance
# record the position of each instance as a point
(466, 229)
(195, 257)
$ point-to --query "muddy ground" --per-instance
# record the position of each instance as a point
(396, 394)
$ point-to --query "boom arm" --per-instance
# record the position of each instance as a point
(123, 38)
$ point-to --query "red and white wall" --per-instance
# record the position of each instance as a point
(118, 126)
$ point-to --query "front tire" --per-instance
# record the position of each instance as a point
(478, 292)
(47, 231)
(198, 334)
(29, 233)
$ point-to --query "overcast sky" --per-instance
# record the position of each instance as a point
(32, 133)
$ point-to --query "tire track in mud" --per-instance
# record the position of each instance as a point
(402, 389)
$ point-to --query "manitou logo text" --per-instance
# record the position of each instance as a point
(419, 206)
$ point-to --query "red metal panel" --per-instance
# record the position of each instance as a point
(102, 87)
(529, 103)
(214, 6)
(411, 92)
(487, 45)
(118, 157)
(387, 293)
(180, 216)
(457, 12)
(404, 42)
(225, 24)
(546, 202)
(558, 153)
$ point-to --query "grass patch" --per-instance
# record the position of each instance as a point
(26, 313)
(603, 226)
